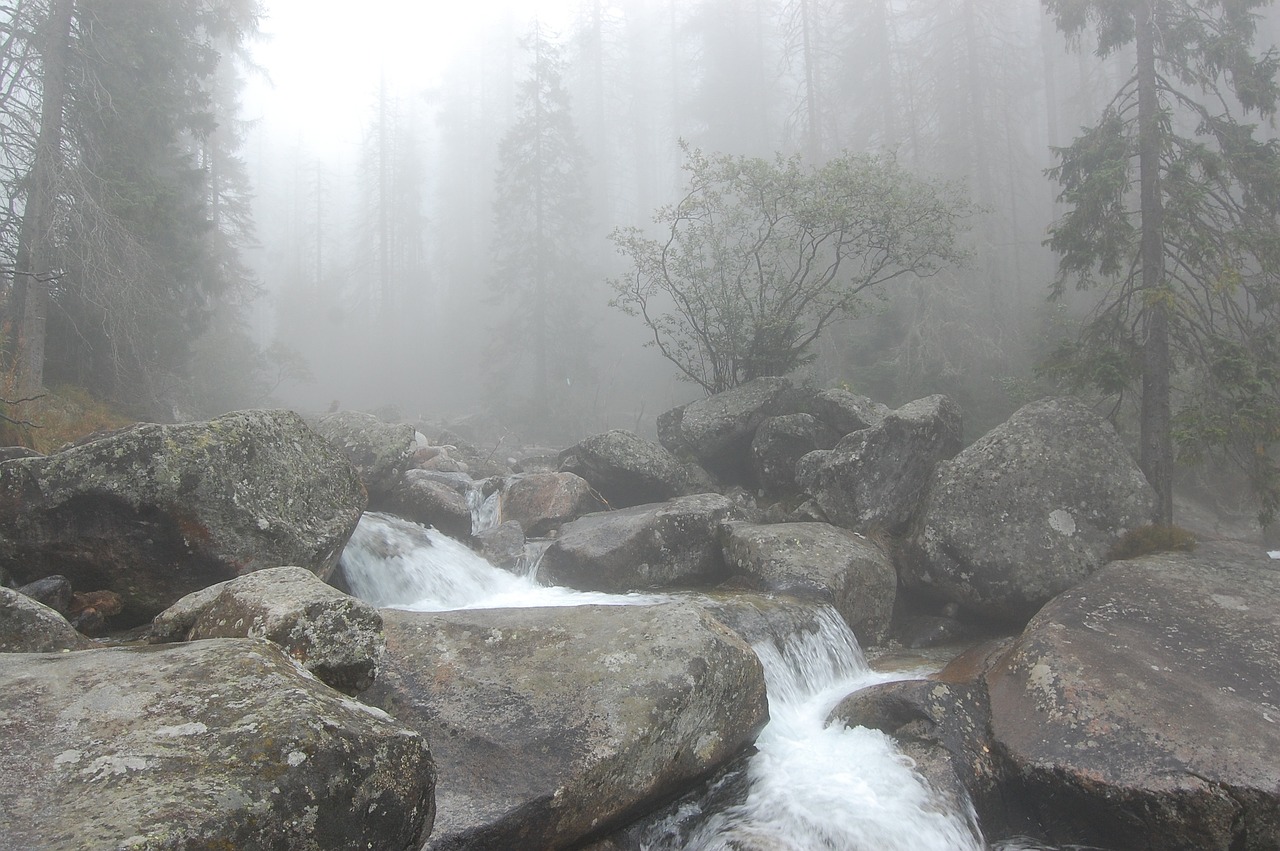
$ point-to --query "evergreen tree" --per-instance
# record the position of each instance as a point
(1173, 214)
(125, 194)
(540, 219)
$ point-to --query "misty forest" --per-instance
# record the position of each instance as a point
(927, 313)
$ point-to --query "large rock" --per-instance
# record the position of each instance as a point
(1027, 511)
(380, 451)
(442, 500)
(780, 442)
(214, 744)
(158, 511)
(333, 635)
(844, 411)
(717, 431)
(625, 469)
(875, 479)
(28, 626)
(645, 547)
(542, 502)
(817, 559)
(1141, 709)
(941, 727)
(549, 725)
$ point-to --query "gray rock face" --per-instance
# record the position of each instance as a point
(941, 727)
(843, 411)
(626, 469)
(156, 512)
(780, 442)
(379, 451)
(875, 479)
(434, 499)
(1141, 709)
(334, 636)
(550, 725)
(213, 744)
(818, 559)
(27, 626)
(542, 502)
(502, 546)
(646, 547)
(1027, 511)
(717, 431)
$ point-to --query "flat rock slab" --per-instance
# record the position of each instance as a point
(214, 744)
(550, 725)
(1142, 708)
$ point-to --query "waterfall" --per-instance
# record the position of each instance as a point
(817, 788)
(810, 787)
(401, 564)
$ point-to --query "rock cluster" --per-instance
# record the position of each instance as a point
(270, 709)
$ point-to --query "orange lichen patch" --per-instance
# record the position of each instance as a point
(106, 603)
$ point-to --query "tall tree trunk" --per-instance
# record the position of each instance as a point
(813, 140)
(30, 297)
(1156, 456)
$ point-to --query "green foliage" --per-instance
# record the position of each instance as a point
(1217, 197)
(1146, 540)
(760, 256)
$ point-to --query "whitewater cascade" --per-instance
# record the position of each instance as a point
(811, 787)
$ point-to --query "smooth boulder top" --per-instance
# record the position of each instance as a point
(1149, 698)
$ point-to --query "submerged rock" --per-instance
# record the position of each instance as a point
(552, 725)
(214, 744)
(156, 512)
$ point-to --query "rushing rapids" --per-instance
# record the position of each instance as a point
(811, 787)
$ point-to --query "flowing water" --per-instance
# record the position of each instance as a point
(811, 787)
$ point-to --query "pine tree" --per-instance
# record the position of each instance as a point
(1173, 203)
(540, 219)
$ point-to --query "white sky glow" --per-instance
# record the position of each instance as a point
(323, 59)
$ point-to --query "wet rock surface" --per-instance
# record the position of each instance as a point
(551, 725)
(626, 470)
(1141, 709)
(645, 547)
(823, 561)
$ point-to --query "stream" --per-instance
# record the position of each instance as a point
(809, 787)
